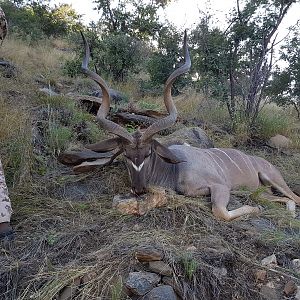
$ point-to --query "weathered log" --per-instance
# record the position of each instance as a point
(76, 157)
(131, 117)
(89, 166)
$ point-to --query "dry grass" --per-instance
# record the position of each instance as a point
(42, 58)
(68, 235)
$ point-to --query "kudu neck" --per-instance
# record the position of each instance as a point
(161, 173)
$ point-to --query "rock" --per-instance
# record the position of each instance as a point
(296, 264)
(68, 292)
(194, 136)
(291, 207)
(220, 272)
(296, 189)
(279, 142)
(140, 283)
(88, 277)
(191, 248)
(160, 267)
(48, 92)
(174, 284)
(269, 292)
(132, 205)
(269, 261)
(290, 288)
(163, 292)
(297, 296)
(260, 275)
(115, 95)
(148, 253)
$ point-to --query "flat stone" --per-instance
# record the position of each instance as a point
(269, 261)
(193, 136)
(260, 275)
(176, 285)
(269, 292)
(162, 292)
(297, 296)
(148, 253)
(132, 205)
(296, 264)
(290, 288)
(140, 283)
(68, 292)
(160, 267)
(220, 272)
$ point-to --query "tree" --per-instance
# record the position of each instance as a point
(165, 57)
(36, 19)
(137, 18)
(240, 58)
(284, 87)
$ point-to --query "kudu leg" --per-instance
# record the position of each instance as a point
(290, 204)
(279, 185)
(220, 196)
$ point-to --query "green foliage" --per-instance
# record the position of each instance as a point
(58, 137)
(148, 105)
(271, 122)
(235, 65)
(161, 62)
(35, 20)
(116, 290)
(72, 67)
(134, 18)
(284, 87)
(119, 55)
(190, 266)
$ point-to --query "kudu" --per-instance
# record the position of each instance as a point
(187, 170)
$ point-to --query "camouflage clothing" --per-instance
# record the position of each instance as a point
(5, 207)
(3, 25)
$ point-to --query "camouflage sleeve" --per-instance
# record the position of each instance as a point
(5, 206)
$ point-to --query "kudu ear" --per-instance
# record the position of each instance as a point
(166, 154)
(106, 145)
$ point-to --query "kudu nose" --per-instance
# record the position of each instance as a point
(138, 191)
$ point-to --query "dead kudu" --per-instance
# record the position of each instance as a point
(187, 170)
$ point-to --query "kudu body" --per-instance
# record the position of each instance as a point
(187, 170)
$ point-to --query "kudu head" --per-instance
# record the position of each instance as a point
(139, 146)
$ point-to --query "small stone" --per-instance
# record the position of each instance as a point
(219, 272)
(297, 296)
(296, 264)
(290, 288)
(148, 253)
(269, 292)
(174, 284)
(163, 292)
(88, 277)
(160, 267)
(140, 283)
(191, 248)
(269, 261)
(68, 292)
(260, 275)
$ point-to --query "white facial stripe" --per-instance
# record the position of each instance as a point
(138, 168)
